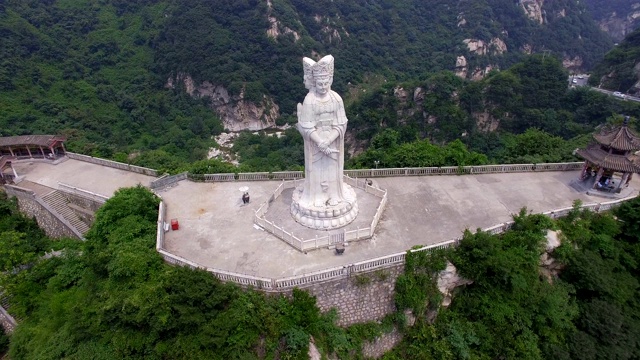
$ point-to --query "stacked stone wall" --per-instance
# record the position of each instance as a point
(83, 202)
(7, 322)
(360, 297)
(48, 222)
(385, 342)
(83, 207)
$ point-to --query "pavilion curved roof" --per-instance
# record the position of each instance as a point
(36, 140)
(595, 155)
(619, 138)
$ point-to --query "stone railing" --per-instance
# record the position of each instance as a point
(83, 193)
(322, 241)
(162, 213)
(305, 280)
(166, 181)
(213, 177)
(113, 164)
(371, 173)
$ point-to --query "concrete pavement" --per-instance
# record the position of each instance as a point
(217, 230)
(99, 179)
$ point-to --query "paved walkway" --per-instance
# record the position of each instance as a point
(99, 179)
(217, 231)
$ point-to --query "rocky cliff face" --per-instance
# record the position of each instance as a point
(236, 112)
(276, 29)
(533, 9)
(620, 25)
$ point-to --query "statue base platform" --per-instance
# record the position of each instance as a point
(324, 217)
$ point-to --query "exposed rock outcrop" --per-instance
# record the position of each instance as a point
(479, 47)
(448, 280)
(330, 29)
(533, 10)
(236, 112)
(618, 26)
(461, 67)
(479, 73)
(476, 46)
(276, 28)
(572, 63)
(485, 121)
(499, 47)
(549, 267)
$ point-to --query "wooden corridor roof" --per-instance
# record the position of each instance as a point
(36, 140)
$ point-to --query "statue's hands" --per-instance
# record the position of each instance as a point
(324, 147)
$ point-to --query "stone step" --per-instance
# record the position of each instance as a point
(59, 203)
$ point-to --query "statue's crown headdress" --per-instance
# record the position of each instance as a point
(324, 67)
(308, 64)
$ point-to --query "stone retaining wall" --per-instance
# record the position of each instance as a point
(7, 321)
(359, 298)
(385, 342)
(47, 221)
(83, 202)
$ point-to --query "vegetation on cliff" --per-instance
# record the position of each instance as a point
(619, 71)
(113, 297)
(512, 310)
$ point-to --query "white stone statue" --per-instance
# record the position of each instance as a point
(324, 201)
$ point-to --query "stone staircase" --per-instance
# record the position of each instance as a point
(57, 201)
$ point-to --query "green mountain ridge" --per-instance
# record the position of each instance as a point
(619, 70)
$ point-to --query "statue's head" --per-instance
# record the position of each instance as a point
(323, 75)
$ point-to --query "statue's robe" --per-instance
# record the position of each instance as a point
(323, 121)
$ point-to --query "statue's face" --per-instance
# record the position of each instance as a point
(308, 82)
(323, 85)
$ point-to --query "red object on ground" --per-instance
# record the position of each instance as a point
(174, 224)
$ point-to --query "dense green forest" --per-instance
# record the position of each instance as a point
(112, 296)
(96, 71)
(512, 311)
(618, 71)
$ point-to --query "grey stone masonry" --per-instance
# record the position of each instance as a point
(6, 320)
(59, 202)
(385, 342)
(31, 206)
(360, 297)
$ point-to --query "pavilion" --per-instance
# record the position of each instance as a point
(33, 146)
(611, 156)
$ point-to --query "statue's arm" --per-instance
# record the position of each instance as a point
(306, 125)
(342, 115)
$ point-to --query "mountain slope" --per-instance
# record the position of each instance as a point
(259, 43)
(618, 18)
(619, 71)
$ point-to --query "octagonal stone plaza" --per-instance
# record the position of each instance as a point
(217, 229)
